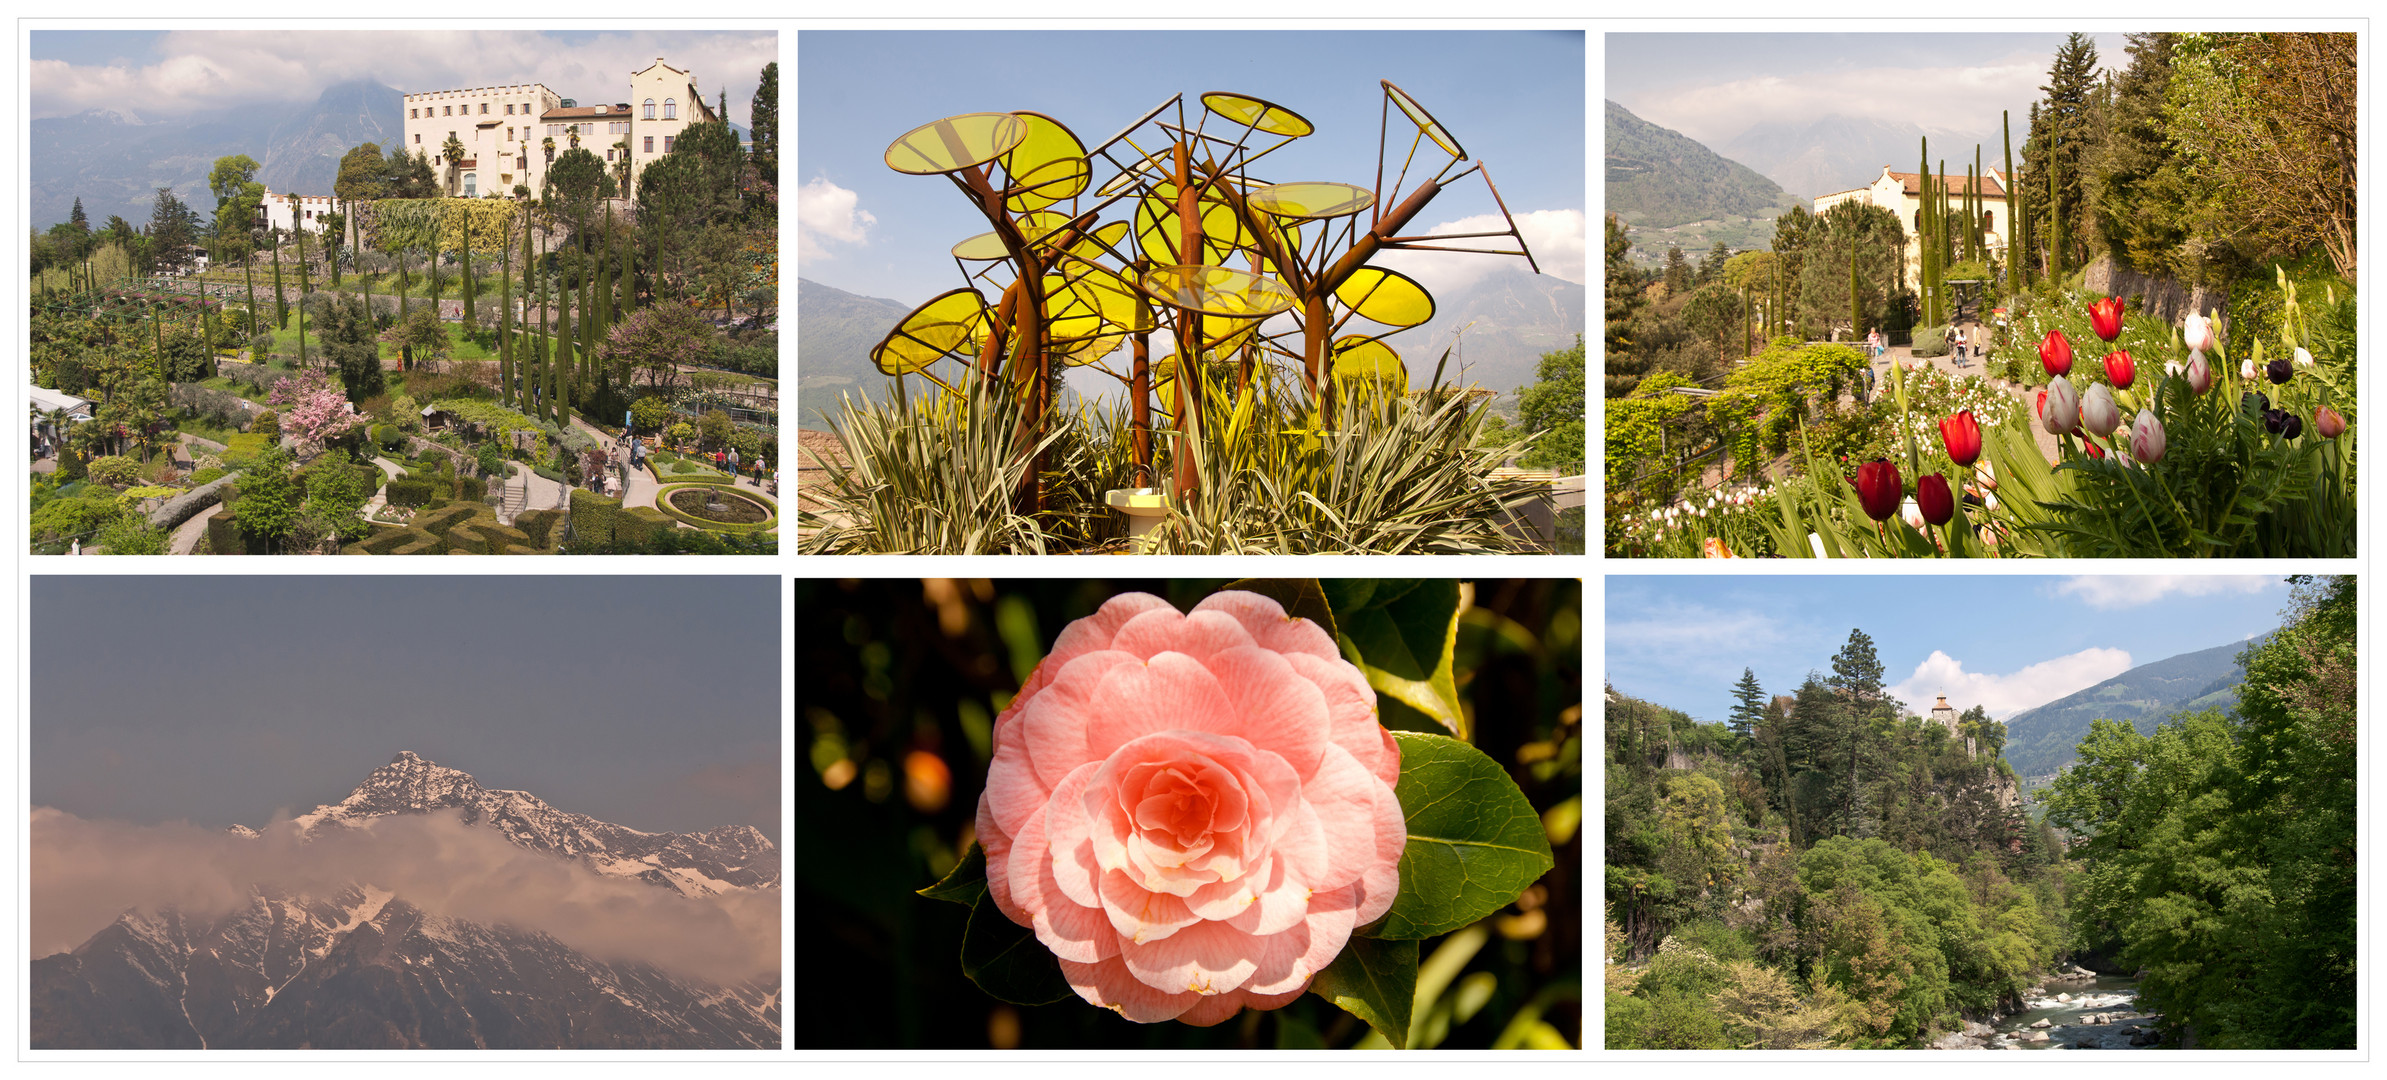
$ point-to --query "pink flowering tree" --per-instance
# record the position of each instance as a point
(314, 412)
(659, 340)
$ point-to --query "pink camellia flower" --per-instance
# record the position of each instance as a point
(1192, 811)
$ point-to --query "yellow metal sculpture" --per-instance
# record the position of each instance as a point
(1199, 253)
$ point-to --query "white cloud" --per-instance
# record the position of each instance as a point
(1924, 96)
(2005, 695)
(2121, 592)
(213, 69)
(827, 214)
(1555, 236)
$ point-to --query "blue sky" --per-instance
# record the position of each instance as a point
(2002, 641)
(651, 702)
(160, 74)
(1713, 87)
(1514, 99)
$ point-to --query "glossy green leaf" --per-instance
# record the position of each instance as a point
(1401, 634)
(1375, 981)
(1300, 597)
(1475, 843)
(966, 884)
(1005, 960)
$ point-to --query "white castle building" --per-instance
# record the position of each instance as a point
(291, 213)
(512, 134)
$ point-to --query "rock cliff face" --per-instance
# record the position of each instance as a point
(364, 969)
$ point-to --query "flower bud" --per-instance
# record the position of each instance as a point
(2303, 357)
(2199, 373)
(2146, 438)
(2055, 354)
(2246, 370)
(2059, 408)
(1933, 499)
(1962, 436)
(1878, 487)
(2328, 423)
(1911, 513)
(2119, 370)
(2098, 413)
(2105, 316)
(2199, 334)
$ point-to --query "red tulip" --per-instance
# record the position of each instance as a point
(1931, 493)
(1878, 488)
(2095, 450)
(1962, 435)
(2106, 317)
(2118, 368)
(2055, 353)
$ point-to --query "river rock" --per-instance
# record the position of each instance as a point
(2146, 1038)
(2085, 1044)
(2034, 1036)
(2063, 997)
(2042, 1023)
(1978, 1030)
(1955, 1040)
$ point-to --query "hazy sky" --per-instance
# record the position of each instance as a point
(2001, 641)
(1712, 87)
(1513, 99)
(165, 73)
(651, 702)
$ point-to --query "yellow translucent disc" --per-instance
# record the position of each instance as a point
(1216, 290)
(1047, 166)
(1104, 241)
(949, 324)
(1227, 344)
(1038, 224)
(1311, 199)
(984, 247)
(956, 142)
(1424, 120)
(1386, 296)
(1154, 168)
(1120, 304)
(1069, 314)
(1088, 350)
(1158, 233)
(1360, 357)
(1252, 112)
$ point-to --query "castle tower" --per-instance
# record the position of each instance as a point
(1944, 715)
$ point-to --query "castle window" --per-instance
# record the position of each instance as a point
(650, 108)
(650, 144)
(667, 144)
(671, 108)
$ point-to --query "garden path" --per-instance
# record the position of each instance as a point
(187, 534)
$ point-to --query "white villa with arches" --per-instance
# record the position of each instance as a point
(1902, 194)
(506, 130)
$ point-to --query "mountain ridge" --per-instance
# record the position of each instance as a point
(2040, 741)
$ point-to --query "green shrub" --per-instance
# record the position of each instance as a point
(1931, 341)
(420, 542)
(639, 524)
(268, 424)
(114, 469)
(594, 515)
(439, 521)
(407, 491)
(243, 447)
(538, 527)
(206, 476)
(475, 489)
(663, 504)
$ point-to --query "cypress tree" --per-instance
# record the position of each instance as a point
(1923, 231)
(302, 295)
(505, 320)
(586, 367)
(470, 323)
(1856, 311)
(281, 306)
(629, 278)
(2017, 269)
(566, 356)
(2055, 233)
(248, 273)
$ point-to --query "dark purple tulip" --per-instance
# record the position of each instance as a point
(2280, 371)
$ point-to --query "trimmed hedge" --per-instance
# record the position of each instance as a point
(663, 503)
(593, 515)
(1930, 341)
(639, 524)
(538, 526)
(407, 491)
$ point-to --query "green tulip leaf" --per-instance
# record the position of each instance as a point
(1475, 843)
(1375, 981)
(966, 884)
(1401, 634)
(1302, 598)
(1005, 960)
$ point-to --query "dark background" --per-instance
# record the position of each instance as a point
(897, 685)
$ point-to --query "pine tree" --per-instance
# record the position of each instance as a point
(2068, 115)
(1678, 273)
(1749, 703)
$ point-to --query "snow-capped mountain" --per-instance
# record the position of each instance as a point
(364, 969)
(692, 864)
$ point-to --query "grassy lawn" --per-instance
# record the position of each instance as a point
(459, 347)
